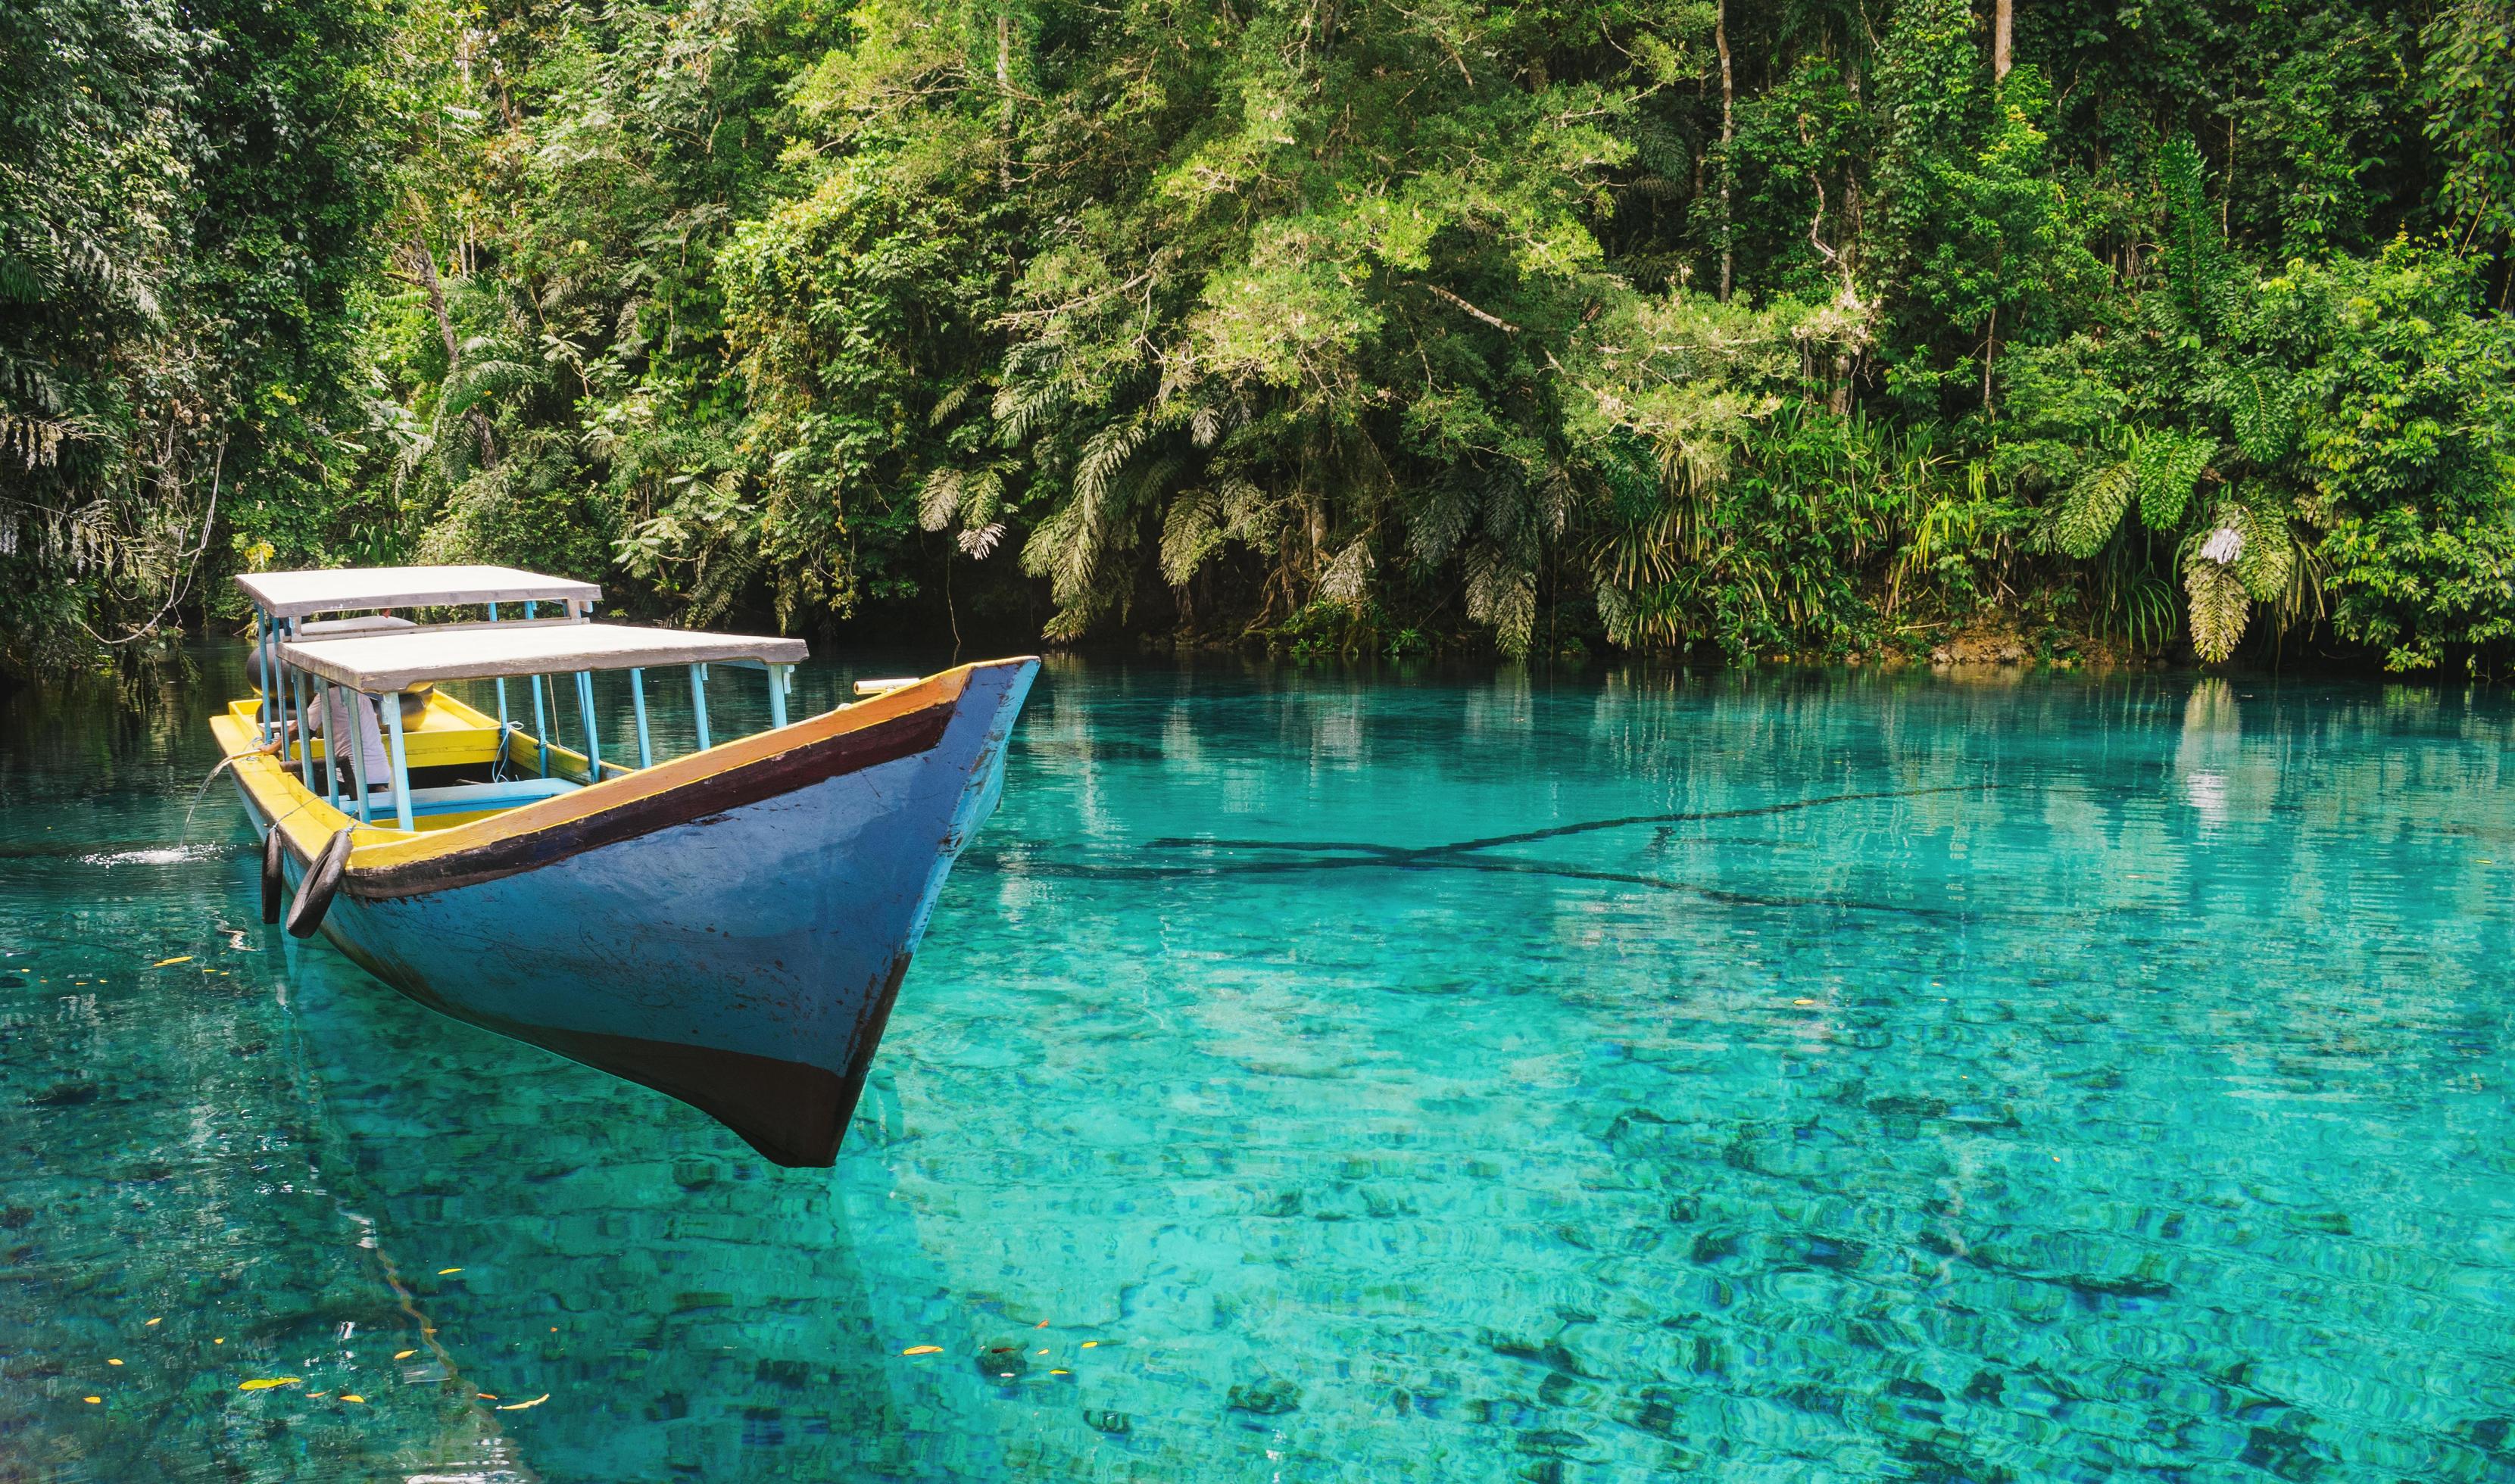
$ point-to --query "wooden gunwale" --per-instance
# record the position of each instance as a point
(387, 863)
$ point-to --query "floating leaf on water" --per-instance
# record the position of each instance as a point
(922, 1350)
(267, 1382)
(185, 957)
(520, 1406)
(397, 1354)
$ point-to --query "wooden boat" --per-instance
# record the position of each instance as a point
(729, 926)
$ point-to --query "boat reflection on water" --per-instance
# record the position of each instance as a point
(688, 1310)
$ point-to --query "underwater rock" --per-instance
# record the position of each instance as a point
(1002, 1363)
(1267, 1398)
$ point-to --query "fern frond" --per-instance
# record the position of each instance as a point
(2268, 559)
(950, 403)
(1065, 550)
(1190, 533)
(940, 500)
(2220, 608)
(1019, 409)
(1504, 595)
(1347, 579)
(2169, 469)
(1104, 454)
(1248, 514)
(982, 495)
(1435, 527)
(2095, 507)
(2265, 424)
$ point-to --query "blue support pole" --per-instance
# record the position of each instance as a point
(593, 742)
(777, 695)
(400, 762)
(541, 730)
(358, 706)
(305, 734)
(501, 691)
(331, 743)
(271, 679)
(262, 674)
(698, 701)
(637, 702)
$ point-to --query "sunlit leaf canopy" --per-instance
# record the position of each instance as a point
(1809, 330)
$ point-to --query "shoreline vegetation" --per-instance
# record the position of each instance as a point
(1902, 331)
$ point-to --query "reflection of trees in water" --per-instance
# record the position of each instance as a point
(2078, 1206)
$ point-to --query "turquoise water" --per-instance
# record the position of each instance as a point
(1313, 1076)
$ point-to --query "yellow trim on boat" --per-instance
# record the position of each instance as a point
(461, 734)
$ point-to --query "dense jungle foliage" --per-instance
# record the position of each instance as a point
(1828, 328)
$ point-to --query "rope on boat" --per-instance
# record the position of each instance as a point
(1292, 856)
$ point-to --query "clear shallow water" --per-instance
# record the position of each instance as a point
(2053, 1080)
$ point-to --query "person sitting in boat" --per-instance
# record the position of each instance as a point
(333, 721)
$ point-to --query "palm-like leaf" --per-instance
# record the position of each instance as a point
(2220, 606)
(2169, 467)
(2088, 517)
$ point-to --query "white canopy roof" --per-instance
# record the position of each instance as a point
(291, 595)
(365, 623)
(401, 658)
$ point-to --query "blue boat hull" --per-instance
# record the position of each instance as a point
(735, 941)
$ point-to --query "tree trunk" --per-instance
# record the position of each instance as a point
(1728, 136)
(1004, 100)
(1990, 349)
(425, 262)
(2001, 14)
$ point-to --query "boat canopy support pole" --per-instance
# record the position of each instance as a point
(593, 741)
(502, 693)
(637, 703)
(271, 682)
(304, 732)
(400, 766)
(777, 681)
(331, 743)
(262, 673)
(541, 728)
(357, 708)
(698, 701)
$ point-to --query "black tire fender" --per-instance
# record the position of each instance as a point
(322, 880)
(274, 877)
